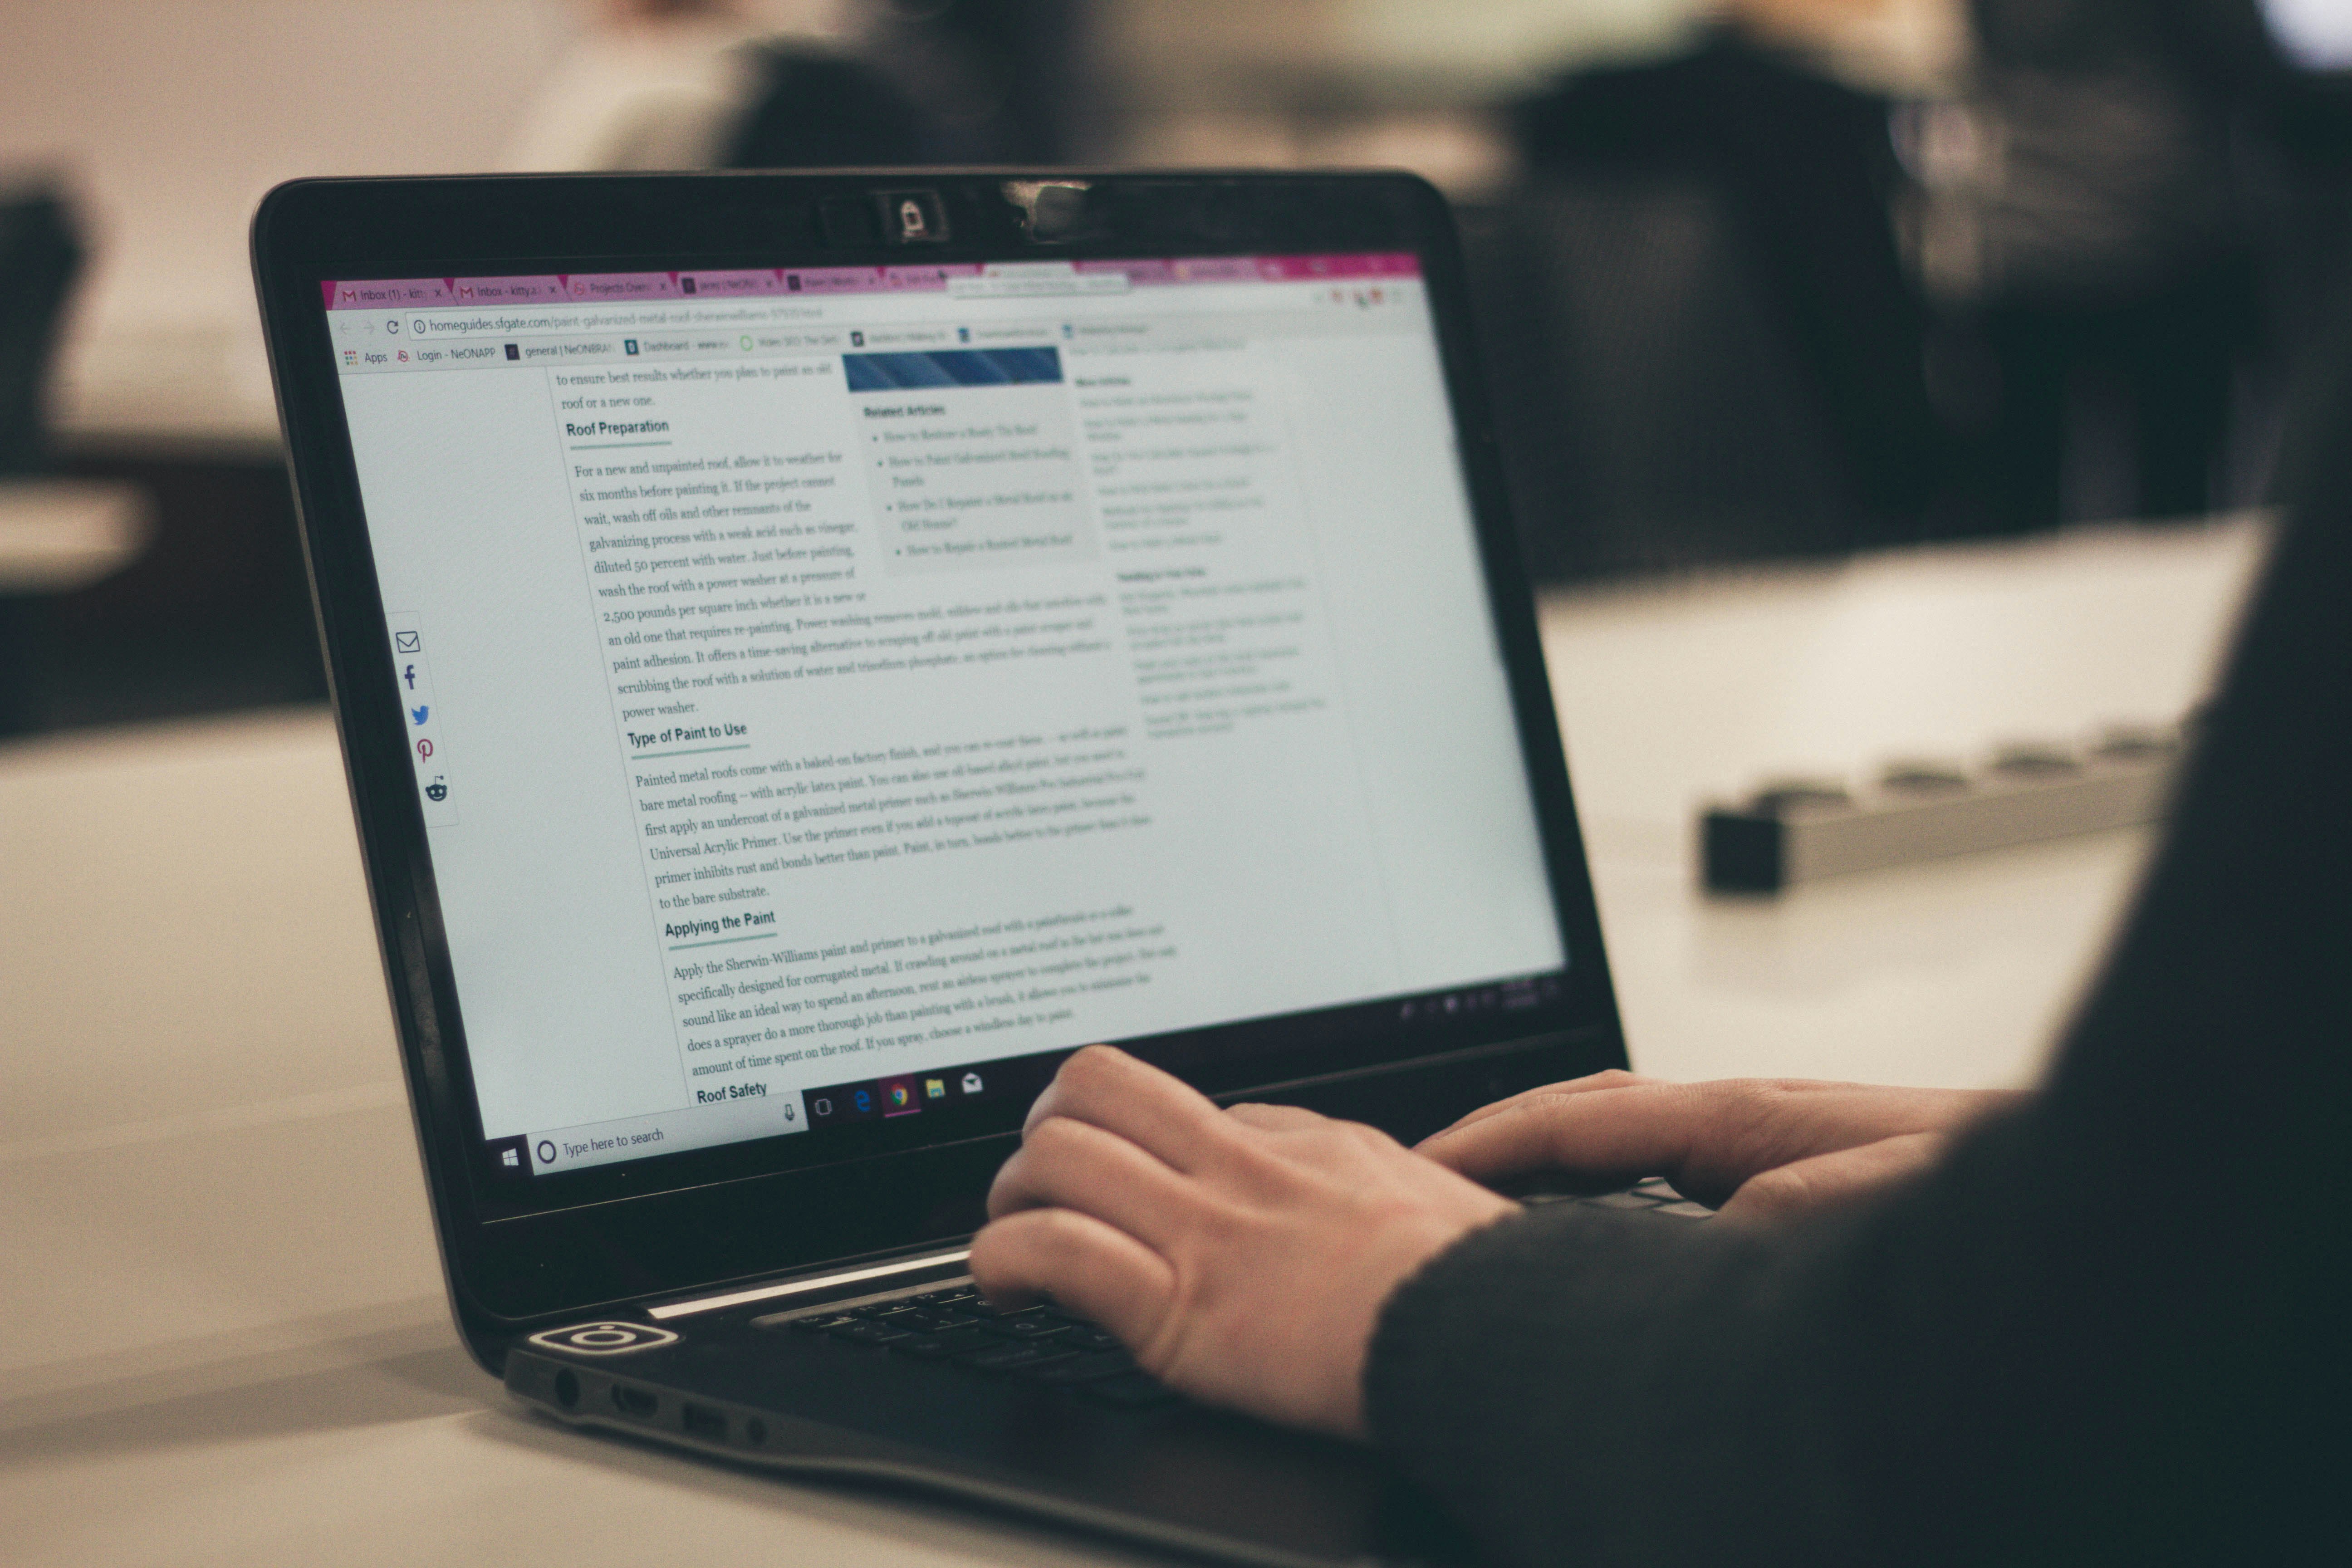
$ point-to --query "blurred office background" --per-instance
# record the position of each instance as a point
(1758, 278)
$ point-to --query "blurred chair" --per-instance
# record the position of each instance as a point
(702, 83)
(2298, 77)
(1703, 342)
(2094, 248)
(818, 109)
(650, 84)
(944, 82)
(1738, 311)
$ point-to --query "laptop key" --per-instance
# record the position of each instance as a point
(919, 1322)
(1086, 1368)
(1012, 1357)
(941, 1345)
(867, 1333)
(1132, 1391)
(1026, 1328)
(1089, 1338)
(996, 1314)
(813, 1325)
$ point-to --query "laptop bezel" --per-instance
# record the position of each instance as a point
(516, 1270)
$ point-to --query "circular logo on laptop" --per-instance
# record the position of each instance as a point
(604, 1339)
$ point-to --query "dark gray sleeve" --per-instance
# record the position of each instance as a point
(2109, 1329)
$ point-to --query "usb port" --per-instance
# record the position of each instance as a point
(701, 1423)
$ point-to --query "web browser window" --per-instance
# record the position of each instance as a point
(824, 684)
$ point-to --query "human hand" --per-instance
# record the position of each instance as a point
(1755, 1147)
(1242, 1256)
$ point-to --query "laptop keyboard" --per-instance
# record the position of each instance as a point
(955, 1326)
(1653, 1193)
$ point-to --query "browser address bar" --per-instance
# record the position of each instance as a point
(596, 320)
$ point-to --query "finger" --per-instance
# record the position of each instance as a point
(1095, 1270)
(1079, 1166)
(1275, 1118)
(1613, 1077)
(1155, 1111)
(1843, 1176)
(1628, 1128)
(1709, 1138)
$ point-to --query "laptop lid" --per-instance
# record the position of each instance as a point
(811, 651)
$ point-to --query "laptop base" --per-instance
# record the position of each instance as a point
(1180, 1477)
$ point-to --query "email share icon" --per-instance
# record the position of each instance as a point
(405, 642)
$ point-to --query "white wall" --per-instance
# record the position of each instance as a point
(173, 116)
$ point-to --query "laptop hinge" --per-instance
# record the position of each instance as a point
(805, 1286)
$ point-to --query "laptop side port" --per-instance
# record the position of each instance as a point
(634, 1401)
(701, 1423)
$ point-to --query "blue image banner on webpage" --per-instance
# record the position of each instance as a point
(952, 367)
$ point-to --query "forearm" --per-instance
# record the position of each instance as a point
(2032, 1352)
(1580, 1385)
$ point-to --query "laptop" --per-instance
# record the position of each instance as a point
(811, 651)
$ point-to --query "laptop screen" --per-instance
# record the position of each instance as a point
(833, 693)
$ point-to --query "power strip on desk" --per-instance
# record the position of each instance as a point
(1792, 831)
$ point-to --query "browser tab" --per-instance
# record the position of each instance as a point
(386, 294)
(622, 286)
(730, 285)
(1031, 279)
(506, 290)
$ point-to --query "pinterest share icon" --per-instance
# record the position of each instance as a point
(420, 720)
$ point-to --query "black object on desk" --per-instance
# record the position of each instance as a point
(39, 258)
(39, 255)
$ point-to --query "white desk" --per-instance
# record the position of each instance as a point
(1957, 972)
(227, 1340)
(197, 390)
(57, 535)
